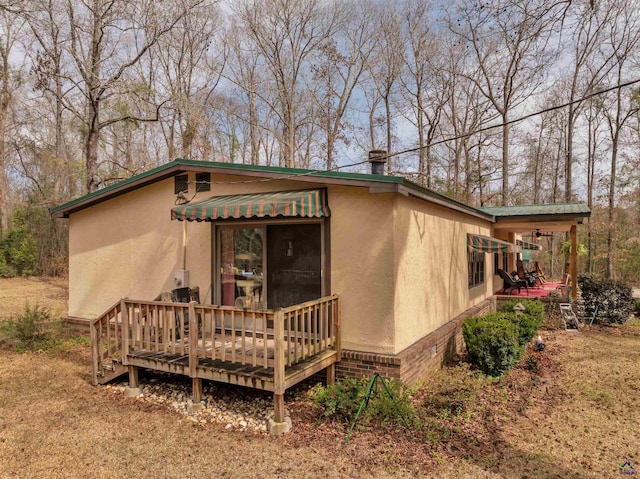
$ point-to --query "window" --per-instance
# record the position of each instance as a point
(181, 184)
(476, 268)
(203, 182)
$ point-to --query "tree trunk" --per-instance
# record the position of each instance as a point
(505, 158)
(387, 109)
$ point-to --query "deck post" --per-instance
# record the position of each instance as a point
(95, 352)
(331, 374)
(573, 263)
(193, 339)
(133, 389)
(280, 423)
(125, 330)
(337, 318)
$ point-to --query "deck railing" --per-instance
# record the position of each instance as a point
(277, 339)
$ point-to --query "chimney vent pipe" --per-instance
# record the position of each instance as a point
(377, 158)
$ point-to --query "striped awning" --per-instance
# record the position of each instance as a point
(527, 245)
(298, 204)
(486, 244)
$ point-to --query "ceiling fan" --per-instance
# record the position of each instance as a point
(539, 235)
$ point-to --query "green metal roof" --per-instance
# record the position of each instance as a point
(181, 165)
(559, 209)
(383, 183)
(376, 183)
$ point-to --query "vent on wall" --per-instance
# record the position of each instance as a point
(203, 182)
(181, 184)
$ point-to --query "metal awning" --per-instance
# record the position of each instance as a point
(486, 244)
(527, 245)
(287, 204)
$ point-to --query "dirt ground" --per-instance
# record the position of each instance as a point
(578, 417)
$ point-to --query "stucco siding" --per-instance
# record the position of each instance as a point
(128, 247)
(362, 267)
(431, 268)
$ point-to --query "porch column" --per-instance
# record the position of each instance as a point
(573, 263)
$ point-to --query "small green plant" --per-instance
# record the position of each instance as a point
(636, 307)
(531, 363)
(493, 341)
(613, 299)
(395, 408)
(341, 399)
(29, 329)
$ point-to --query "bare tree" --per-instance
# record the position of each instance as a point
(424, 82)
(340, 63)
(189, 74)
(11, 28)
(286, 34)
(107, 40)
(385, 66)
(508, 39)
(588, 26)
(624, 37)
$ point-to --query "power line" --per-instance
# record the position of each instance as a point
(439, 142)
(516, 120)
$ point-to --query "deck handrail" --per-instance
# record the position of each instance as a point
(217, 333)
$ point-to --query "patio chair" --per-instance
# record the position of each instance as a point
(185, 295)
(540, 273)
(530, 277)
(511, 284)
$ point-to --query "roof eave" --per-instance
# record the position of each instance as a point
(180, 166)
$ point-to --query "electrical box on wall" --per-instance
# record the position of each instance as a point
(181, 278)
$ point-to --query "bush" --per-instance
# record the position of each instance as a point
(636, 307)
(613, 299)
(493, 342)
(342, 400)
(394, 409)
(533, 307)
(28, 329)
(529, 322)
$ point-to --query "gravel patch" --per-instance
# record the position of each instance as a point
(234, 408)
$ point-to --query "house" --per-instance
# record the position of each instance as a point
(398, 267)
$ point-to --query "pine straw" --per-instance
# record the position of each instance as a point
(578, 417)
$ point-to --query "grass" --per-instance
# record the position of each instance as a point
(579, 418)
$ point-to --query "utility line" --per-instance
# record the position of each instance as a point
(517, 120)
(439, 142)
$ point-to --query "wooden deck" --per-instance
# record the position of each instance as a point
(262, 349)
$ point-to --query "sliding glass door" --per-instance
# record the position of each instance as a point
(279, 263)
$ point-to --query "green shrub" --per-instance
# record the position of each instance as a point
(636, 306)
(533, 308)
(394, 409)
(493, 342)
(529, 322)
(18, 249)
(341, 399)
(613, 299)
(28, 329)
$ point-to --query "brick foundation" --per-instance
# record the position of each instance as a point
(417, 361)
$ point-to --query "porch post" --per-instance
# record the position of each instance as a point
(124, 314)
(573, 263)
(196, 382)
(280, 423)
